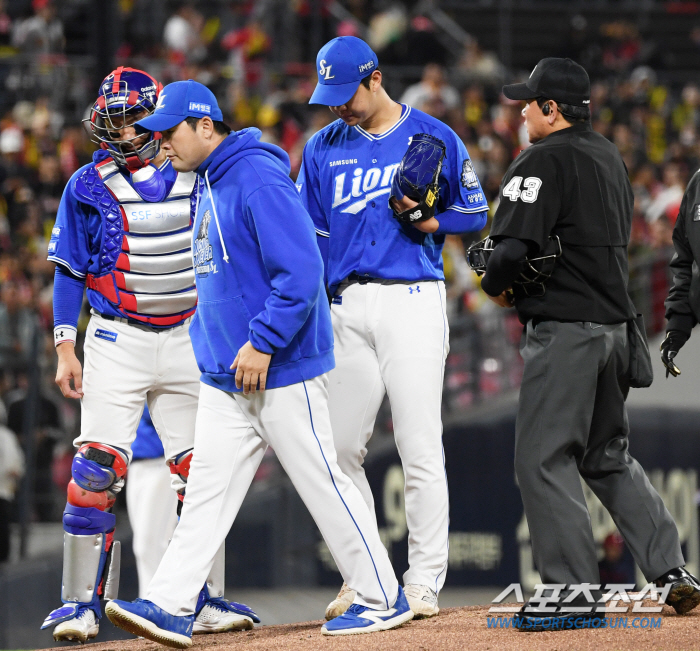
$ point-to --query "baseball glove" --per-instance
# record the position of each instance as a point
(417, 178)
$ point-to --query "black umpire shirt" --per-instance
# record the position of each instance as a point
(683, 302)
(573, 183)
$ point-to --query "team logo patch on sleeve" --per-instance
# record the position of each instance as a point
(469, 179)
(106, 335)
(202, 251)
(696, 212)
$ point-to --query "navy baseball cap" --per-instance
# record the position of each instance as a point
(180, 100)
(562, 80)
(341, 64)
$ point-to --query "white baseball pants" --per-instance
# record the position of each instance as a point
(152, 507)
(231, 436)
(393, 337)
(125, 365)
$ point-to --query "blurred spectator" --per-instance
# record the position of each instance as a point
(16, 325)
(11, 471)
(5, 30)
(432, 88)
(667, 200)
(476, 64)
(615, 568)
(42, 33)
(182, 34)
(47, 433)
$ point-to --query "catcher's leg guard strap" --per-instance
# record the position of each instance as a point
(180, 471)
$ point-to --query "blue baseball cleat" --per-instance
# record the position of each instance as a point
(218, 615)
(242, 609)
(361, 619)
(144, 618)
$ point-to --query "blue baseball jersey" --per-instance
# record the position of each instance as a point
(345, 184)
(147, 444)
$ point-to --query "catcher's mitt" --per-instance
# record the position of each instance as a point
(417, 178)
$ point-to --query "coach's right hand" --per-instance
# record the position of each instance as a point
(251, 367)
(69, 367)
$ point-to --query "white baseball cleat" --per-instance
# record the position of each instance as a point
(217, 619)
(79, 629)
(422, 599)
(341, 603)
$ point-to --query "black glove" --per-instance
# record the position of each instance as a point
(417, 178)
(669, 349)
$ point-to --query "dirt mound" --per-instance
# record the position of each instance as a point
(454, 628)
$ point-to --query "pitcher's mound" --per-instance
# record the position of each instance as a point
(454, 629)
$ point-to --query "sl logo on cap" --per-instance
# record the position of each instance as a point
(324, 70)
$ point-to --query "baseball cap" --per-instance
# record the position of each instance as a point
(180, 100)
(562, 80)
(341, 64)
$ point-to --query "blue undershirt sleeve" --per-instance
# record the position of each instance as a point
(453, 222)
(67, 301)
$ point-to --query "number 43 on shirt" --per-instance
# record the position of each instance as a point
(532, 186)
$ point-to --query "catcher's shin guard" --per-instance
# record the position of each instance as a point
(91, 556)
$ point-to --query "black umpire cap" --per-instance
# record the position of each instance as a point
(561, 80)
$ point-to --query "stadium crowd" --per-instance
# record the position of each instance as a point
(232, 49)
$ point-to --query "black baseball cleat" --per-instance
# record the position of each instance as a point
(684, 594)
(534, 618)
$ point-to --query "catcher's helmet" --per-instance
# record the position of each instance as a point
(124, 92)
(535, 271)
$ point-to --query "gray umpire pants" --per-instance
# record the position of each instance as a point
(572, 421)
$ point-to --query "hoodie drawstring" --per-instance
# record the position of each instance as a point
(216, 217)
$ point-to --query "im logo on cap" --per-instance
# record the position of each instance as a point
(201, 108)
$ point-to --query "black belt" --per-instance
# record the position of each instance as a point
(363, 280)
(135, 322)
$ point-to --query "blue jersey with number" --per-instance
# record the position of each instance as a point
(345, 184)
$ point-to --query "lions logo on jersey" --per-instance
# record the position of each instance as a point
(364, 186)
(202, 251)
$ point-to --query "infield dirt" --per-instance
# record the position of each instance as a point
(455, 628)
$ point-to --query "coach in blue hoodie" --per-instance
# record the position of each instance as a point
(263, 340)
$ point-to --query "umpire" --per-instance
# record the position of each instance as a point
(683, 302)
(572, 184)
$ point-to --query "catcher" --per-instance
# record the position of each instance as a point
(381, 214)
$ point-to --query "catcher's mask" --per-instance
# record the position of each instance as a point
(535, 272)
(124, 94)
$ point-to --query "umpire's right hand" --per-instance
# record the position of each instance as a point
(669, 349)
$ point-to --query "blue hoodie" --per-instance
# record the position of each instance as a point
(258, 269)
